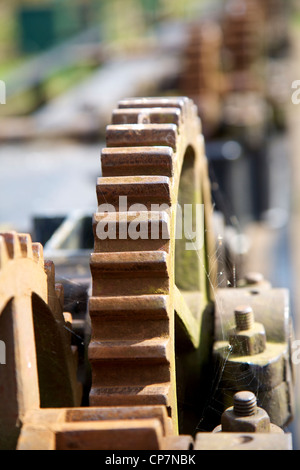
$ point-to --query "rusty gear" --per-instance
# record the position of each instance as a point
(243, 30)
(40, 368)
(154, 155)
(202, 78)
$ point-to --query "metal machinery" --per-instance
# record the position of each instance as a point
(234, 68)
(170, 351)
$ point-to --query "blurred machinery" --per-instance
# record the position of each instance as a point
(202, 74)
(68, 242)
(240, 86)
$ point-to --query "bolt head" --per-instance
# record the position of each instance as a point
(248, 342)
(258, 422)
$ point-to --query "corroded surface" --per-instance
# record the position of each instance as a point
(40, 368)
(154, 155)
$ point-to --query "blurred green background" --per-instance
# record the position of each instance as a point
(30, 28)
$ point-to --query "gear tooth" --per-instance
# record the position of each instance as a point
(137, 161)
(154, 225)
(59, 290)
(38, 253)
(143, 190)
(147, 116)
(26, 245)
(23, 278)
(154, 350)
(137, 135)
(50, 270)
(12, 244)
(180, 102)
(3, 253)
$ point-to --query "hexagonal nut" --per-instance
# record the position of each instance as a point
(260, 372)
(259, 422)
(248, 342)
(279, 404)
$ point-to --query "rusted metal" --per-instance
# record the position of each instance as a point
(243, 441)
(133, 281)
(267, 371)
(243, 29)
(39, 379)
(40, 368)
(249, 337)
(144, 291)
(202, 78)
(109, 428)
(246, 416)
(245, 404)
(153, 145)
(271, 307)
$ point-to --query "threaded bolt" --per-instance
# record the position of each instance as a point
(244, 317)
(244, 404)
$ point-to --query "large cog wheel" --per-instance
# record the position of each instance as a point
(39, 370)
(155, 155)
